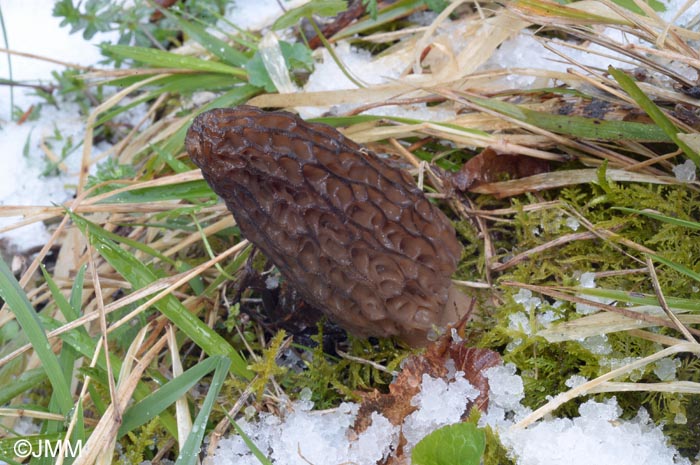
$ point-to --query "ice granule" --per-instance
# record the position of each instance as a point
(612, 363)
(597, 344)
(305, 394)
(519, 321)
(311, 436)
(524, 297)
(547, 318)
(665, 369)
(573, 223)
(587, 280)
(685, 172)
(596, 436)
(439, 403)
(575, 381)
(374, 443)
(505, 388)
(272, 282)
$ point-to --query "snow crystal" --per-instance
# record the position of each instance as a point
(613, 363)
(272, 282)
(685, 172)
(597, 344)
(546, 318)
(665, 369)
(587, 280)
(519, 321)
(305, 436)
(506, 389)
(256, 15)
(575, 381)
(370, 70)
(439, 403)
(597, 436)
(573, 223)
(524, 297)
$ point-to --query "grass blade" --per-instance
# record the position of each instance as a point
(24, 382)
(162, 59)
(251, 445)
(140, 275)
(153, 404)
(666, 219)
(629, 86)
(190, 190)
(19, 305)
(217, 47)
(577, 126)
(193, 443)
(676, 266)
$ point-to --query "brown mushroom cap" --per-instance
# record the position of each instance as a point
(353, 235)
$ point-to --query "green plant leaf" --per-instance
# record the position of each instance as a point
(385, 16)
(13, 294)
(162, 59)
(314, 7)
(577, 126)
(190, 190)
(629, 86)
(152, 405)
(217, 47)
(140, 275)
(458, 444)
(677, 266)
(630, 5)
(296, 56)
(666, 219)
(251, 445)
(24, 382)
(193, 444)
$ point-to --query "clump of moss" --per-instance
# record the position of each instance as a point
(546, 367)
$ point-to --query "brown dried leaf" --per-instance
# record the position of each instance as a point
(489, 167)
(474, 361)
(396, 405)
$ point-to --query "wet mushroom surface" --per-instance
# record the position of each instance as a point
(356, 237)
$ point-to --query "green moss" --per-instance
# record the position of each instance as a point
(545, 367)
(142, 445)
(332, 379)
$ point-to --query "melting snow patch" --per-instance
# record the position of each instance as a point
(597, 436)
(685, 172)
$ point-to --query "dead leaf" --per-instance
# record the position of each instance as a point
(489, 166)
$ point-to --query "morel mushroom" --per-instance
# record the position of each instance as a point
(354, 236)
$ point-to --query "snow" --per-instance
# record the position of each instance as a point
(23, 19)
(304, 436)
(22, 181)
(587, 281)
(439, 403)
(258, 14)
(685, 172)
(665, 369)
(369, 70)
(597, 435)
